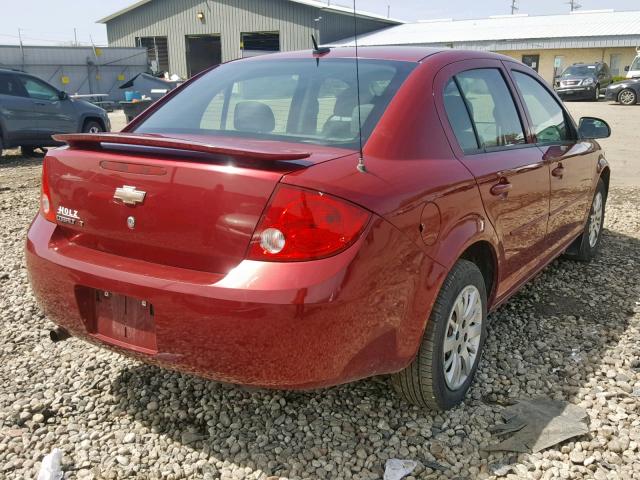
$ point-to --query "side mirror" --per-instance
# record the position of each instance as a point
(63, 96)
(591, 128)
(626, 69)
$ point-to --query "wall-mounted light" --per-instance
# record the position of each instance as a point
(200, 16)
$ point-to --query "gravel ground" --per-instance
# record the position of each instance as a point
(573, 333)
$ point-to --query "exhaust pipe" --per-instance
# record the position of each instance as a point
(58, 334)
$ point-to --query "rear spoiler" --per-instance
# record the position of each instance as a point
(92, 141)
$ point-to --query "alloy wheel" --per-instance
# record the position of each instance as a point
(595, 220)
(462, 341)
(627, 97)
(94, 129)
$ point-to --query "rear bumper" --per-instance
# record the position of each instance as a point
(278, 325)
(612, 95)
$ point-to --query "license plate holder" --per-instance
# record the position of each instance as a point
(125, 321)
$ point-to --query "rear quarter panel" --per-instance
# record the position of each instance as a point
(413, 181)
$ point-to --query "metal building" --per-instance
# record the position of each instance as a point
(186, 36)
(81, 70)
(548, 43)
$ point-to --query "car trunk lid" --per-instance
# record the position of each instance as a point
(178, 201)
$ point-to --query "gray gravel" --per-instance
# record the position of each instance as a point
(573, 334)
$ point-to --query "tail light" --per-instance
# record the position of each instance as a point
(46, 206)
(303, 225)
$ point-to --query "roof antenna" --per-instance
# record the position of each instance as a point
(361, 167)
(316, 49)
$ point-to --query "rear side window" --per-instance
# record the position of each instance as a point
(492, 108)
(10, 86)
(459, 118)
(547, 117)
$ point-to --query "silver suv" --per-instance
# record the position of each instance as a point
(31, 111)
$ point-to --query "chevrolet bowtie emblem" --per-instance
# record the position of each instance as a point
(129, 195)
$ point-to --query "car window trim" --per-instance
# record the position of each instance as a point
(567, 117)
(524, 125)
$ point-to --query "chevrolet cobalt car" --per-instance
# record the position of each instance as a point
(236, 230)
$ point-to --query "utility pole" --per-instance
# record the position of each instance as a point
(75, 37)
(514, 7)
(388, 11)
(21, 47)
(574, 5)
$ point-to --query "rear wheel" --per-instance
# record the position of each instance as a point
(586, 245)
(33, 151)
(628, 97)
(91, 126)
(448, 358)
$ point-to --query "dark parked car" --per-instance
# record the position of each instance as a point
(31, 111)
(626, 92)
(583, 81)
(232, 230)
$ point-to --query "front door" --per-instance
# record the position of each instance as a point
(571, 162)
(512, 177)
(532, 61)
(51, 115)
(203, 51)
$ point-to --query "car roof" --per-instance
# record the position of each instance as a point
(398, 53)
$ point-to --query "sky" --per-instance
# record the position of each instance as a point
(52, 22)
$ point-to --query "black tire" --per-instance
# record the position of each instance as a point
(628, 97)
(597, 94)
(32, 153)
(423, 382)
(584, 248)
(91, 126)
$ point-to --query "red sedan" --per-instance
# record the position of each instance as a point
(233, 230)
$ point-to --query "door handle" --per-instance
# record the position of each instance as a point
(558, 171)
(501, 189)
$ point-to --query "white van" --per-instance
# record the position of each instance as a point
(634, 70)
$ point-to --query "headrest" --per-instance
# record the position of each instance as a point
(254, 117)
(365, 111)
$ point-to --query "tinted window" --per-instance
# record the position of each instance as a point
(10, 86)
(579, 70)
(494, 114)
(38, 90)
(292, 100)
(547, 117)
(459, 117)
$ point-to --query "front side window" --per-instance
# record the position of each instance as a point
(39, 90)
(547, 117)
(492, 108)
(295, 100)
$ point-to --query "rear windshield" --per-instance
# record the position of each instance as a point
(297, 100)
(579, 70)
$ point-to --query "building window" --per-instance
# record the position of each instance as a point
(615, 64)
(259, 43)
(157, 51)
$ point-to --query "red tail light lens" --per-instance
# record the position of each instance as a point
(306, 225)
(46, 206)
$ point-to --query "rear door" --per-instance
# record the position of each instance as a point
(51, 115)
(16, 110)
(490, 138)
(572, 163)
